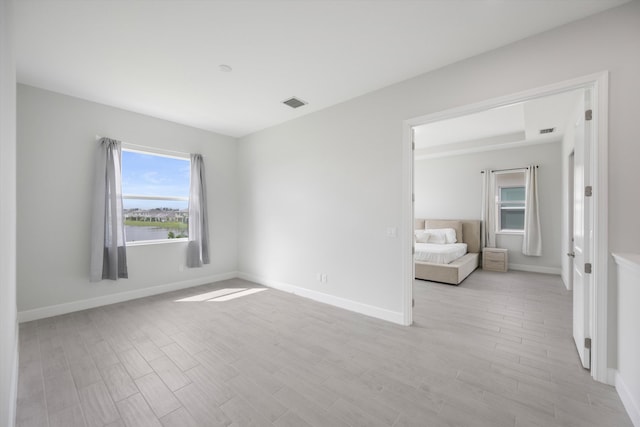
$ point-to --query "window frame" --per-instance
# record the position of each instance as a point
(159, 153)
(499, 202)
(500, 208)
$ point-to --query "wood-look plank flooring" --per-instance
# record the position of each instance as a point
(494, 351)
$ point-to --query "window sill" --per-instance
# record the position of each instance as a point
(156, 242)
(510, 233)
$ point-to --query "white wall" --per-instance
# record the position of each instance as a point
(8, 323)
(628, 344)
(317, 193)
(56, 150)
(451, 187)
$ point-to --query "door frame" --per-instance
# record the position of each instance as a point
(599, 248)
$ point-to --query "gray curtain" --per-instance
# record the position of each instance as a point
(532, 241)
(198, 246)
(488, 215)
(108, 249)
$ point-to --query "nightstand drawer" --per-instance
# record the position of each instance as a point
(494, 256)
(495, 259)
(494, 265)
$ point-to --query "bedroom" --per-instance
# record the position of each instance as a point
(452, 155)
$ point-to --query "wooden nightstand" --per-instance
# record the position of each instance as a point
(495, 259)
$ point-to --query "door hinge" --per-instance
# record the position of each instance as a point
(413, 146)
(413, 250)
(587, 343)
(588, 191)
(588, 115)
(413, 303)
(413, 197)
(587, 268)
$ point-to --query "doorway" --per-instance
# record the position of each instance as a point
(597, 244)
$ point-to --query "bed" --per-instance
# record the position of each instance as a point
(449, 266)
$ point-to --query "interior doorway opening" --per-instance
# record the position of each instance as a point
(596, 87)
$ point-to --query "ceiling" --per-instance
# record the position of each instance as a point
(162, 58)
(509, 126)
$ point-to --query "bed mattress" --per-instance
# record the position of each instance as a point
(439, 254)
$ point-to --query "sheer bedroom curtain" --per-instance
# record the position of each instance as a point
(488, 216)
(198, 246)
(108, 249)
(532, 241)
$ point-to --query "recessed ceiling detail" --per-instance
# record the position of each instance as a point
(294, 102)
(540, 120)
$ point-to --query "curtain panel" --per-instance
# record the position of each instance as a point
(532, 241)
(488, 215)
(108, 248)
(198, 246)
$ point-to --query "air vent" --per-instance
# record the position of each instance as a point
(548, 130)
(294, 102)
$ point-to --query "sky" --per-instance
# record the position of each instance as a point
(150, 175)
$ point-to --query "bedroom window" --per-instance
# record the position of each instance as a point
(510, 198)
(155, 193)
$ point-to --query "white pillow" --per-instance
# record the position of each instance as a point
(421, 236)
(441, 235)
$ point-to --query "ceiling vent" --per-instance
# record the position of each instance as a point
(547, 130)
(294, 102)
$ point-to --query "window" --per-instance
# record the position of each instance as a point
(510, 199)
(155, 193)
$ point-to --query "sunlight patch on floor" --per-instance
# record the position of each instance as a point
(210, 295)
(237, 295)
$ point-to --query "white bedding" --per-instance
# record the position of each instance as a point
(439, 254)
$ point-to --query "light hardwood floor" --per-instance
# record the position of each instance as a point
(494, 351)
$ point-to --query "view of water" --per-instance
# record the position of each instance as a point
(136, 233)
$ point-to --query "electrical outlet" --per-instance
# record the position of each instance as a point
(324, 278)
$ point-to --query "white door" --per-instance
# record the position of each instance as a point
(582, 232)
(570, 202)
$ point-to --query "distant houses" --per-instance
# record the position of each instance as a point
(157, 215)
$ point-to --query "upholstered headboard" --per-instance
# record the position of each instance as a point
(469, 228)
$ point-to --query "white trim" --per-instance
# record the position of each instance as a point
(368, 310)
(627, 260)
(599, 83)
(13, 391)
(406, 227)
(600, 217)
(611, 376)
(627, 400)
(70, 307)
(484, 148)
(535, 269)
(156, 242)
(155, 151)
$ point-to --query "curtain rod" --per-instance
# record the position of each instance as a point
(511, 169)
(156, 149)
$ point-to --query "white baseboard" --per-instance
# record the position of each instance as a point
(13, 393)
(632, 407)
(368, 310)
(611, 376)
(535, 269)
(70, 307)
(565, 280)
